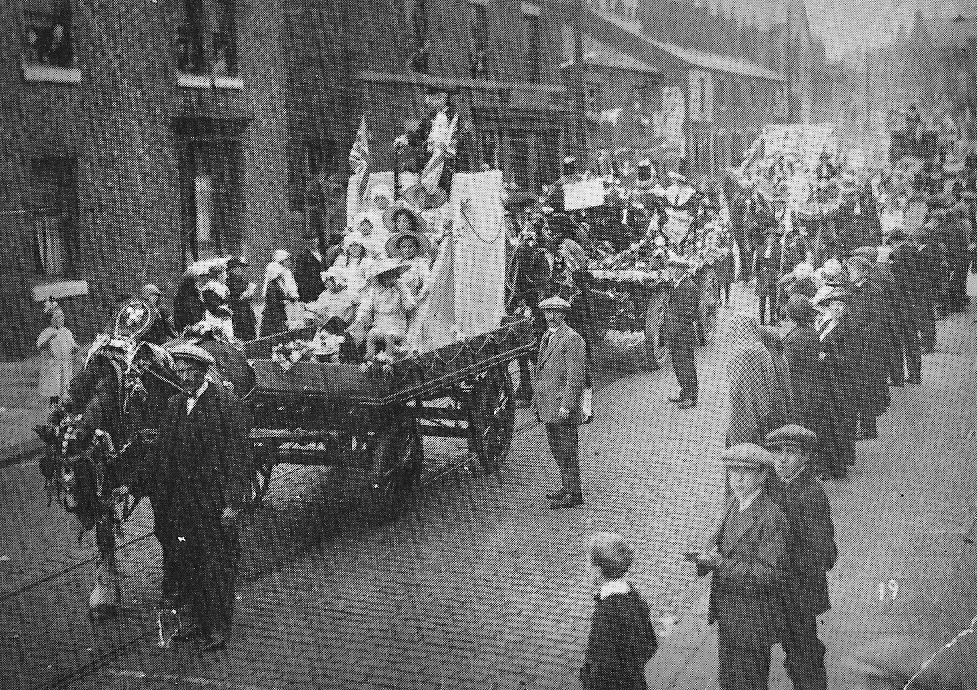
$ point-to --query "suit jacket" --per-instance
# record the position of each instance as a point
(748, 584)
(558, 376)
(811, 548)
(204, 460)
(683, 311)
(767, 270)
(620, 643)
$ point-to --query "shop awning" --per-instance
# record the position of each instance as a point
(631, 33)
(600, 54)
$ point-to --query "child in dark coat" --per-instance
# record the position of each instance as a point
(622, 638)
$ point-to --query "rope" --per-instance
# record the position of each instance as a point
(464, 214)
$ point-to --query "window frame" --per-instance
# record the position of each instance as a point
(198, 26)
(532, 56)
(46, 217)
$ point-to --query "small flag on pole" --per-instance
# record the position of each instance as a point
(359, 155)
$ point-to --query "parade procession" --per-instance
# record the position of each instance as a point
(450, 344)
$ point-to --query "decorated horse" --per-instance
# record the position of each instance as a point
(99, 444)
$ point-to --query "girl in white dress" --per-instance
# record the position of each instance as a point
(58, 348)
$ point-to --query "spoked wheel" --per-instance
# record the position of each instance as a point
(492, 417)
(398, 456)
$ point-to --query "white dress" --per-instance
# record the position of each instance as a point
(57, 363)
(355, 274)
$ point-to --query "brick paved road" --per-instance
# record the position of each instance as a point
(477, 584)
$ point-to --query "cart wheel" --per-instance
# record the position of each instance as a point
(398, 455)
(492, 418)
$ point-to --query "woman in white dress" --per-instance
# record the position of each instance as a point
(58, 348)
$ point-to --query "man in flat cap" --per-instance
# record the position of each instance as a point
(203, 480)
(747, 560)
(811, 552)
(558, 383)
(681, 323)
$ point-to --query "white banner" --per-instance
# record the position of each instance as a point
(582, 195)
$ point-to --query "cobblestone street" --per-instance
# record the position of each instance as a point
(477, 583)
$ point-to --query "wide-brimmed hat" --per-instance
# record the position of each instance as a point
(393, 244)
(403, 207)
(383, 266)
(192, 353)
(747, 456)
(555, 303)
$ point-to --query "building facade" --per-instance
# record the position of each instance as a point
(133, 143)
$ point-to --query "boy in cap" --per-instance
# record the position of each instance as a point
(810, 552)
(622, 638)
(747, 561)
(558, 384)
(204, 480)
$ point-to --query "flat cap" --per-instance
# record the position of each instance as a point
(747, 456)
(194, 353)
(555, 302)
(792, 436)
(870, 253)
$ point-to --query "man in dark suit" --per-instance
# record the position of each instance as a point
(309, 266)
(811, 552)
(906, 273)
(558, 385)
(747, 560)
(622, 638)
(868, 303)
(681, 322)
(767, 264)
(530, 280)
(203, 480)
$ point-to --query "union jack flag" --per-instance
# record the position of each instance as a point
(359, 155)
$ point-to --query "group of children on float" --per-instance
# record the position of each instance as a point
(373, 288)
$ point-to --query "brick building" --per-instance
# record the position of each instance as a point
(517, 105)
(132, 143)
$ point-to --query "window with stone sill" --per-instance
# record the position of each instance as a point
(48, 51)
(206, 40)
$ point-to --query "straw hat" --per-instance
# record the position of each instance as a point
(393, 244)
(387, 266)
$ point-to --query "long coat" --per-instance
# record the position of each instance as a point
(747, 592)
(872, 354)
(620, 642)
(308, 275)
(811, 548)
(558, 376)
(801, 348)
(753, 389)
(835, 396)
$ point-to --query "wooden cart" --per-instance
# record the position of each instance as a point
(321, 413)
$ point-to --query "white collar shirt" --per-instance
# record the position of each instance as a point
(746, 502)
(192, 400)
(613, 587)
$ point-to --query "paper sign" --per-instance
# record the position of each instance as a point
(581, 195)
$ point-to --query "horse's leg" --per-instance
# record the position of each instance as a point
(104, 599)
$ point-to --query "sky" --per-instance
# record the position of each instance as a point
(846, 25)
